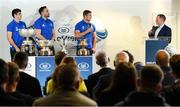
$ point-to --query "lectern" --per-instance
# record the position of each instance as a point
(152, 46)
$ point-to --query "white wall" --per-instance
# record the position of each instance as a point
(127, 21)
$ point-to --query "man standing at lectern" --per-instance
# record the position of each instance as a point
(86, 30)
(161, 30)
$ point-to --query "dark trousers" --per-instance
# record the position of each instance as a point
(12, 52)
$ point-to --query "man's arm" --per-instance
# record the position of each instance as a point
(79, 34)
(10, 40)
(94, 42)
(169, 34)
(38, 34)
(54, 35)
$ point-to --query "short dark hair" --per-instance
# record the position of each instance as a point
(151, 75)
(162, 16)
(41, 9)
(15, 11)
(86, 12)
(3, 72)
(21, 59)
(68, 60)
(67, 76)
(175, 65)
(13, 72)
(101, 59)
(59, 57)
(124, 77)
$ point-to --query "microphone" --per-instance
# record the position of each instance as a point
(89, 25)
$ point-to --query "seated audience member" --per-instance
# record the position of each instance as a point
(52, 85)
(172, 93)
(105, 80)
(12, 84)
(27, 84)
(5, 98)
(58, 58)
(150, 84)
(123, 82)
(66, 94)
(162, 59)
(101, 60)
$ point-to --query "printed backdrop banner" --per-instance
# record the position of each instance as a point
(45, 66)
(85, 65)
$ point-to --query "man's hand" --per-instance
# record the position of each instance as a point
(17, 49)
(94, 50)
(89, 30)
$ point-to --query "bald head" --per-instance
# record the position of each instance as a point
(101, 59)
(121, 57)
(162, 58)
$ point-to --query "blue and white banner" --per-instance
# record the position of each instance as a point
(85, 65)
(152, 46)
(45, 66)
(31, 67)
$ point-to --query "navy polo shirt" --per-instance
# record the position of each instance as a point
(14, 27)
(46, 26)
(83, 26)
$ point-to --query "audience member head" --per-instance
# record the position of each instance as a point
(21, 59)
(3, 74)
(151, 78)
(65, 61)
(68, 77)
(175, 65)
(68, 60)
(102, 59)
(131, 57)
(59, 57)
(124, 77)
(162, 58)
(121, 57)
(13, 77)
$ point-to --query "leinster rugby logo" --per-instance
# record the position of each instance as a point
(102, 34)
(83, 66)
(63, 30)
(45, 66)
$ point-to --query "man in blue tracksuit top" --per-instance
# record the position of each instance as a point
(13, 36)
(44, 27)
(86, 30)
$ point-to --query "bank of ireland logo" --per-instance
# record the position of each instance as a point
(45, 66)
(29, 66)
(102, 34)
(83, 66)
(63, 30)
